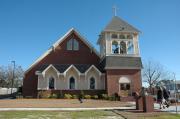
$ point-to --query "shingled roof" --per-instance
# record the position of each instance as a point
(62, 67)
(117, 24)
(120, 62)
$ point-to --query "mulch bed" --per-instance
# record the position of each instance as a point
(59, 103)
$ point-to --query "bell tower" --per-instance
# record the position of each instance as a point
(119, 38)
(120, 58)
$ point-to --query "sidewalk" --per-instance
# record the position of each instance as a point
(66, 109)
(171, 109)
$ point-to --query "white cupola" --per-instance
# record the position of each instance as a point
(119, 39)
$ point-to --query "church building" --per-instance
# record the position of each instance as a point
(73, 65)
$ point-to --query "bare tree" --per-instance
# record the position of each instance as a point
(6, 75)
(153, 72)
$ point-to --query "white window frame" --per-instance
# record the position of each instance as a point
(70, 44)
(90, 83)
(69, 83)
(48, 83)
(75, 44)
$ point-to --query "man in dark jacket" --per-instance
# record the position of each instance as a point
(160, 96)
(166, 95)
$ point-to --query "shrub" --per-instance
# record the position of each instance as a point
(111, 98)
(67, 96)
(74, 96)
(82, 94)
(114, 97)
(53, 96)
(87, 97)
(105, 96)
(95, 97)
(44, 94)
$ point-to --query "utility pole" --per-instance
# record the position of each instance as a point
(12, 86)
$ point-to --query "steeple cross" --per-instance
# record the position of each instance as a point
(115, 10)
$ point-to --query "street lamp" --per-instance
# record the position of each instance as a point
(12, 85)
(175, 91)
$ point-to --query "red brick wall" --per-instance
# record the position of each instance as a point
(60, 56)
(114, 75)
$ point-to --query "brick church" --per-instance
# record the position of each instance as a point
(73, 65)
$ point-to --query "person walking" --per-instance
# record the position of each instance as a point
(160, 97)
(80, 98)
(166, 95)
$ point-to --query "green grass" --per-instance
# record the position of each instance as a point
(167, 116)
(55, 114)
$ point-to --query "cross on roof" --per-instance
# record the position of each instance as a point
(115, 10)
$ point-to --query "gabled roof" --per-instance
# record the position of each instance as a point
(59, 41)
(117, 24)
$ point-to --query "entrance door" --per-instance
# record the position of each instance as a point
(124, 89)
(124, 86)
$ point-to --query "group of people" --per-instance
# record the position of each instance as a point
(163, 97)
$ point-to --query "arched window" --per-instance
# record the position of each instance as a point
(129, 37)
(123, 47)
(51, 83)
(122, 36)
(92, 83)
(124, 83)
(72, 83)
(115, 47)
(114, 36)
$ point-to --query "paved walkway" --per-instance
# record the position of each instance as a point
(171, 109)
(66, 109)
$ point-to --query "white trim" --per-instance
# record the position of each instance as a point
(38, 84)
(122, 68)
(72, 66)
(43, 73)
(92, 66)
(124, 79)
(123, 55)
(59, 41)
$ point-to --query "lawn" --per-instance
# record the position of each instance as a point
(58, 115)
(151, 115)
(84, 115)
(167, 116)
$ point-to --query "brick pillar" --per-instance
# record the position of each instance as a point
(145, 103)
(139, 103)
(148, 104)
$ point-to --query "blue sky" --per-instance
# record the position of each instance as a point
(29, 27)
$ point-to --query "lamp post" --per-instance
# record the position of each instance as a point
(175, 91)
(12, 85)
